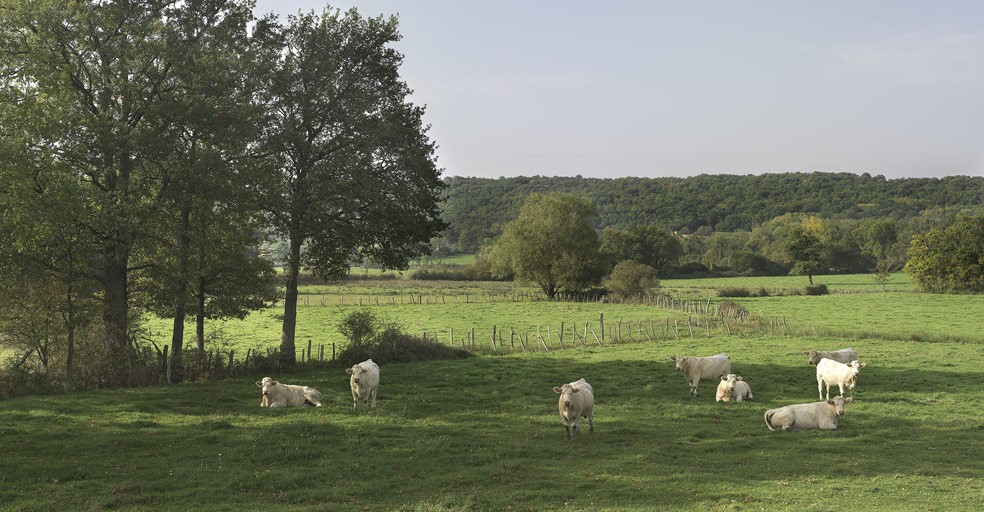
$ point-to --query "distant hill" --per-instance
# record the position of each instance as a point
(477, 208)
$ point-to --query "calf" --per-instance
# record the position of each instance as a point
(821, 415)
(576, 402)
(844, 375)
(707, 368)
(844, 355)
(364, 380)
(276, 394)
(733, 388)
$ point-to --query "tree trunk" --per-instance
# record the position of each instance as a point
(811, 278)
(115, 313)
(70, 319)
(177, 333)
(287, 354)
(200, 317)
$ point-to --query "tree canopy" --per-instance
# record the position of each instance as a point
(949, 258)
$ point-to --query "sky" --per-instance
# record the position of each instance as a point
(680, 88)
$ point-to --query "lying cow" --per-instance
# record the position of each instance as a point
(843, 375)
(276, 394)
(697, 368)
(732, 388)
(576, 402)
(822, 415)
(364, 380)
(844, 355)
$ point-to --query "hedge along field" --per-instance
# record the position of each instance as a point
(898, 281)
(319, 323)
(915, 316)
(484, 434)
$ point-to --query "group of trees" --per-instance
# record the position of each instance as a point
(148, 150)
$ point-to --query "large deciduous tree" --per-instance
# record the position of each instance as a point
(951, 258)
(552, 244)
(806, 246)
(91, 86)
(356, 171)
(647, 245)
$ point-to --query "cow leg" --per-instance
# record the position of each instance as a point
(820, 387)
(591, 422)
(374, 398)
(829, 425)
(576, 428)
(693, 388)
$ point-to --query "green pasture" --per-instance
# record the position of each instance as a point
(319, 323)
(483, 434)
(918, 316)
(898, 281)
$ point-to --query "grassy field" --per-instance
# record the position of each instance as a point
(483, 434)
(898, 281)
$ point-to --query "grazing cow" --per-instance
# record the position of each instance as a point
(844, 355)
(733, 388)
(843, 375)
(576, 402)
(706, 368)
(821, 415)
(364, 380)
(276, 394)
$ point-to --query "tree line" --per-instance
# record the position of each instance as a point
(477, 209)
(150, 150)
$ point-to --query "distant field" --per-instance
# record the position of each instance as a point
(483, 434)
(925, 316)
(898, 281)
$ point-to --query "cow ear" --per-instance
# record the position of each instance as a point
(558, 389)
(831, 402)
(259, 384)
(576, 390)
(806, 353)
(739, 378)
(849, 399)
(724, 377)
(863, 365)
(672, 358)
(275, 383)
(349, 371)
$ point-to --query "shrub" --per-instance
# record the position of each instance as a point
(729, 308)
(630, 279)
(762, 292)
(733, 291)
(819, 289)
(383, 342)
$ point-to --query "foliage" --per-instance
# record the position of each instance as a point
(630, 279)
(354, 171)
(648, 245)
(807, 247)
(551, 244)
(372, 338)
(951, 258)
(733, 291)
(817, 289)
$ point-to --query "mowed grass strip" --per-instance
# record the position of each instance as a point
(485, 434)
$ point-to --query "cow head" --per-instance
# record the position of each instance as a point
(356, 373)
(730, 380)
(838, 402)
(856, 367)
(266, 384)
(815, 356)
(566, 394)
(680, 360)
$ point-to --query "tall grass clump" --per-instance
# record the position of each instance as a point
(734, 291)
(819, 289)
(384, 342)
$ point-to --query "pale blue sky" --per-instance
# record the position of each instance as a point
(653, 88)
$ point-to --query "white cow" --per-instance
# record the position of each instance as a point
(843, 375)
(844, 355)
(576, 402)
(732, 387)
(364, 380)
(707, 368)
(276, 394)
(821, 415)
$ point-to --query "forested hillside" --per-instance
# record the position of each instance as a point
(477, 208)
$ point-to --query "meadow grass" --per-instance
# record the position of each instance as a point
(483, 434)
(898, 281)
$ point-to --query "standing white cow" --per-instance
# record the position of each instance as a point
(276, 394)
(364, 380)
(732, 387)
(821, 415)
(576, 402)
(843, 375)
(697, 368)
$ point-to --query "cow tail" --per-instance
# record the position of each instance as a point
(768, 418)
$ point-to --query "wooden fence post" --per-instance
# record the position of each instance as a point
(601, 318)
(167, 365)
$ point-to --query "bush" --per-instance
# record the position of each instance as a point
(733, 291)
(820, 289)
(630, 279)
(762, 292)
(384, 343)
